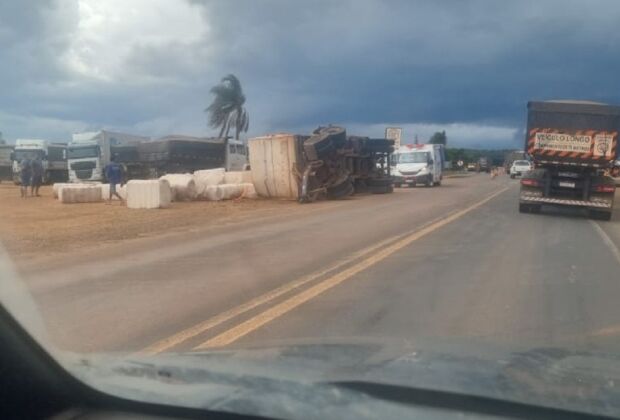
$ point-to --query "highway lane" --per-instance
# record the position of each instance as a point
(493, 275)
(420, 262)
(137, 293)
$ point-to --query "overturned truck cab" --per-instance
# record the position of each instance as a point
(573, 145)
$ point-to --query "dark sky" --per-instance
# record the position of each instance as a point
(146, 66)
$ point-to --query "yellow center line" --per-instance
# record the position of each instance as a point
(200, 328)
(291, 303)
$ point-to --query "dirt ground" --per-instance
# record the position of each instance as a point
(42, 226)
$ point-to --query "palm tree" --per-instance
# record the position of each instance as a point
(227, 108)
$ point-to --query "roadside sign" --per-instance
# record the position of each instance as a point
(394, 133)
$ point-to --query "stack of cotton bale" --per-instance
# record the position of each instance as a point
(216, 184)
(79, 193)
(183, 186)
(121, 190)
(148, 194)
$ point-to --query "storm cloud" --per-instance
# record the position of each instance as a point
(146, 66)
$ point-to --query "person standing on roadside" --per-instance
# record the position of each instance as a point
(114, 174)
(25, 176)
(37, 176)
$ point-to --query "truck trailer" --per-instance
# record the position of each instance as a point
(181, 154)
(572, 145)
(52, 155)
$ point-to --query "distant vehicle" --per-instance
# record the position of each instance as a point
(89, 152)
(510, 157)
(180, 154)
(471, 166)
(483, 165)
(415, 164)
(519, 167)
(6, 164)
(52, 155)
(572, 144)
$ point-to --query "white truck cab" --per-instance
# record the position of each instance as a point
(414, 164)
(89, 153)
(52, 156)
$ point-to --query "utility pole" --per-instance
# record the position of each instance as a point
(416, 139)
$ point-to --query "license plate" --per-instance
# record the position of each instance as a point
(566, 184)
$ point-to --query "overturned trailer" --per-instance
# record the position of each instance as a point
(326, 164)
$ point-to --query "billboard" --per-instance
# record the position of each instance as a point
(394, 133)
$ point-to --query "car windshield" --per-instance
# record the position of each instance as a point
(276, 200)
(80, 152)
(414, 157)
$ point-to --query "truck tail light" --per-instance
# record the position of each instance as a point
(605, 188)
(530, 182)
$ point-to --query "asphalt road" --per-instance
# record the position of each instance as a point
(453, 261)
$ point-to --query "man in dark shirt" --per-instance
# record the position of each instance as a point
(114, 174)
(37, 176)
(25, 175)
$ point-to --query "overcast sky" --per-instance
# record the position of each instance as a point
(146, 66)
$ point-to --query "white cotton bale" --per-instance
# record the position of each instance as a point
(80, 194)
(249, 191)
(183, 186)
(246, 177)
(58, 185)
(233, 177)
(121, 190)
(148, 194)
(213, 193)
(231, 191)
(207, 178)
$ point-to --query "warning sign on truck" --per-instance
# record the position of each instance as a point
(563, 142)
(581, 144)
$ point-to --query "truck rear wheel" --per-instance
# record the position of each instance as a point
(529, 208)
(600, 214)
(380, 185)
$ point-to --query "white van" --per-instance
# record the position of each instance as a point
(414, 164)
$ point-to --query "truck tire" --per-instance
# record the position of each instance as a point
(324, 142)
(338, 134)
(600, 214)
(380, 185)
(529, 208)
(360, 186)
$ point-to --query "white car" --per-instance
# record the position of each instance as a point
(519, 167)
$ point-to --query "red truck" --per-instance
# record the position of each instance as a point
(572, 145)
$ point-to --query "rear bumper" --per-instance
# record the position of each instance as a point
(603, 204)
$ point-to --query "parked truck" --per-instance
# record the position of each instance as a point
(180, 154)
(89, 152)
(6, 164)
(418, 164)
(571, 144)
(52, 155)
